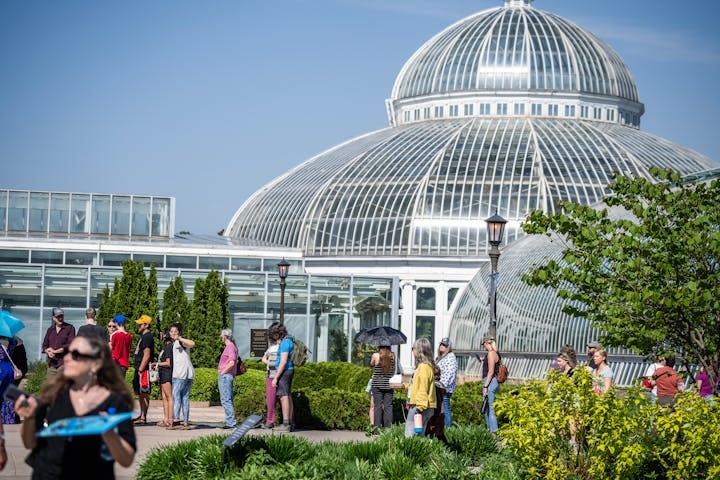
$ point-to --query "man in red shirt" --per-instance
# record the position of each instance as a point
(668, 382)
(57, 340)
(120, 342)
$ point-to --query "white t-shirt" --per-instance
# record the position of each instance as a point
(182, 366)
(650, 372)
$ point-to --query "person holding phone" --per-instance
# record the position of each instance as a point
(89, 384)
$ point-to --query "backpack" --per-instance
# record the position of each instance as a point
(502, 372)
(299, 354)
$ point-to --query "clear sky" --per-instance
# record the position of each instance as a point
(207, 101)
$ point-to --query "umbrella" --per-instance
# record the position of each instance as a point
(9, 324)
(381, 336)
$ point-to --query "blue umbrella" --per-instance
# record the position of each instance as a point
(9, 324)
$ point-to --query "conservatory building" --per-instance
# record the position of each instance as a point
(507, 111)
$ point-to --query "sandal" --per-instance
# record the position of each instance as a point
(162, 424)
(186, 427)
(139, 421)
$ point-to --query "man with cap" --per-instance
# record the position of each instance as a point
(144, 352)
(447, 363)
(57, 340)
(592, 347)
(227, 369)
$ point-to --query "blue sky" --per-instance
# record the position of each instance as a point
(207, 101)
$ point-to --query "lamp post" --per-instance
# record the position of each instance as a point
(495, 232)
(283, 273)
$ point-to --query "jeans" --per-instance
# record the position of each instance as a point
(270, 400)
(410, 422)
(490, 418)
(181, 398)
(382, 407)
(446, 409)
(225, 385)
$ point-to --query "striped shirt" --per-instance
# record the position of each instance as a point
(381, 380)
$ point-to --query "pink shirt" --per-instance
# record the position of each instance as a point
(229, 354)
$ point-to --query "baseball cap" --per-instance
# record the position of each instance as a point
(226, 332)
(120, 319)
(488, 338)
(58, 312)
(594, 344)
(446, 341)
(144, 320)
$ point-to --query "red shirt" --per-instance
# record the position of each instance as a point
(667, 381)
(121, 343)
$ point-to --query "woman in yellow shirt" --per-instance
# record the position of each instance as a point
(422, 389)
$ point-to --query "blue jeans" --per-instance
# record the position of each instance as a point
(225, 385)
(181, 398)
(410, 421)
(490, 418)
(446, 409)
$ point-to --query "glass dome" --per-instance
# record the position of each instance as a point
(424, 189)
(509, 110)
(515, 48)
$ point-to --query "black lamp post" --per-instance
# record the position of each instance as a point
(495, 232)
(283, 273)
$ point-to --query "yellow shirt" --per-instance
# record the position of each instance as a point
(422, 394)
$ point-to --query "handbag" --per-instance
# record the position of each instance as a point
(154, 371)
(17, 373)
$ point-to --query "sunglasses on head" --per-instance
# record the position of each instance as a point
(77, 356)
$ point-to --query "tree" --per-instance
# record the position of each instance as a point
(133, 294)
(176, 305)
(648, 280)
(209, 314)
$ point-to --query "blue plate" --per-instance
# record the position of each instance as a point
(90, 425)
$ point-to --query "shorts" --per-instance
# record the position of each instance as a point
(141, 386)
(284, 383)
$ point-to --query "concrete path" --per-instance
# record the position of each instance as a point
(205, 421)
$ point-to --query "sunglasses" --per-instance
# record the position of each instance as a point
(77, 356)
(112, 326)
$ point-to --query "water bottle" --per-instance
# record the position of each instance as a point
(418, 423)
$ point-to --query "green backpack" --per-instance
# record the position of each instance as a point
(299, 355)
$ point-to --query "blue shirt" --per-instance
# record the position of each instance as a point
(286, 346)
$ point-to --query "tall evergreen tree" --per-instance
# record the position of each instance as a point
(209, 314)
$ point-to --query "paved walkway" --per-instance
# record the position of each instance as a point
(205, 421)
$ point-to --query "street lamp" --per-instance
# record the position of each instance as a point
(495, 232)
(283, 273)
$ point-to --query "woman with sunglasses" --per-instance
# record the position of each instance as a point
(89, 384)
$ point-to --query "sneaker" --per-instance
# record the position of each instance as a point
(283, 428)
(228, 427)
(268, 426)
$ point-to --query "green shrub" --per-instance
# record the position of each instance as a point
(558, 429)
(36, 375)
(389, 456)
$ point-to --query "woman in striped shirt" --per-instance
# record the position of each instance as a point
(383, 368)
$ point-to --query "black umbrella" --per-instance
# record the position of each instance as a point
(381, 336)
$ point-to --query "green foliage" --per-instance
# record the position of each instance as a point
(36, 375)
(558, 429)
(338, 345)
(175, 307)
(390, 456)
(209, 314)
(650, 283)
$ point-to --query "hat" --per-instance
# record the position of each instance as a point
(226, 332)
(58, 312)
(144, 320)
(120, 319)
(594, 344)
(446, 341)
(488, 338)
